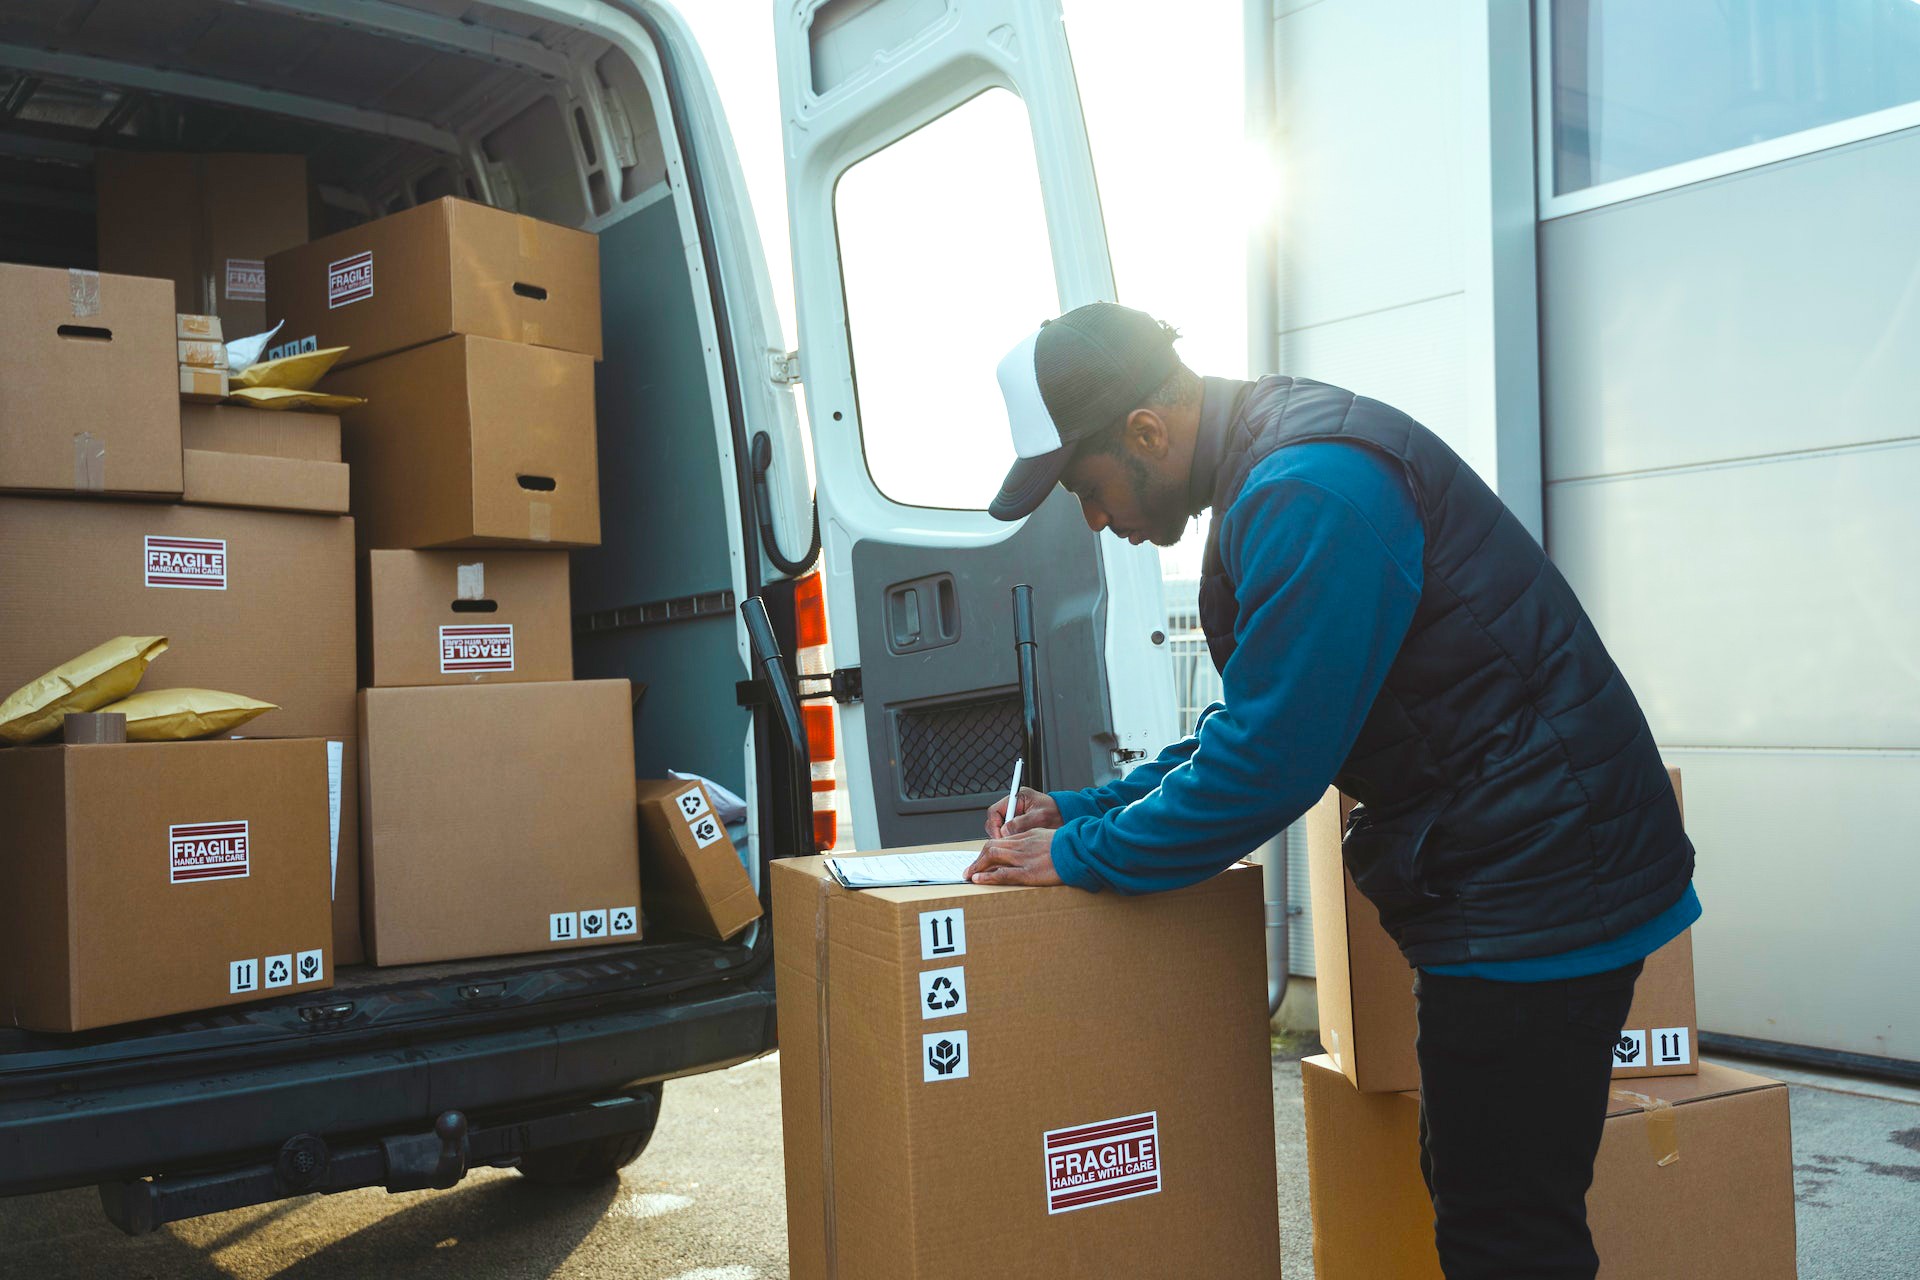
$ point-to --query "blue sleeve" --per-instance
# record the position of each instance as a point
(1324, 546)
(1139, 783)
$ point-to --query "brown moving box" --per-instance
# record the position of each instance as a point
(466, 617)
(1024, 1082)
(473, 442)
(197, 328)
(206, 222)
(87, 398)
(498, 819)
(1723, 1210)
(214, 479)
(202, 354)
(692, 875)
(266, 433)
(203, 386)
(449, 267)
(253, 602)
(143, 880)
(1364, 986)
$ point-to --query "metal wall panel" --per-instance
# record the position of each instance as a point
(1773, 310)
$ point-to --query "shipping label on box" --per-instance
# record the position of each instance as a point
(207, 850)
(350, 279)
(467, 617)
(246, 280)
(468, 649)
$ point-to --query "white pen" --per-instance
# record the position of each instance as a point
(1013, 796)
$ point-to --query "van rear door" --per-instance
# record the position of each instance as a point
(942, 201)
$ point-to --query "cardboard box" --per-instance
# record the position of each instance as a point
(693, 877)
(206, 222)
(267, 484)
(466, 617)
(498, 819)
(259, 603)
(87, 401)
(197, 328)
(152, 879)
(1364, 986)
(1722, 1211)
(473, 442)
(204, 386)
(449, 267)
(266, 433)
(1024, 1082)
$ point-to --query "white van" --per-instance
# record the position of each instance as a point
(601, 114)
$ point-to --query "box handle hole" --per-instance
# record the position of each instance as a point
(90, 332)
(475, 606)
(543, 484)
(533, 291)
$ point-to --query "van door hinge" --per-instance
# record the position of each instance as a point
(783, 367)
(843, 686)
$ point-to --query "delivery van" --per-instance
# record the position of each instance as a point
(795, 631)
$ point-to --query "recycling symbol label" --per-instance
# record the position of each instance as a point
(280, 971)
(943, 992)
(625, 920)
(944, 1056)
(1630, 1050)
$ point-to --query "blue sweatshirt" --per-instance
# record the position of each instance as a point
(1324, 546)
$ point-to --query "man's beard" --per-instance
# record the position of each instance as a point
(1162, 504)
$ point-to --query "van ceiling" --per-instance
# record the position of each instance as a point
(367, 90)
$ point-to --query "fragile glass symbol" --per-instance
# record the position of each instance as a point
(591, 924)
(309, 966)
(943, 1057)
(943, 995)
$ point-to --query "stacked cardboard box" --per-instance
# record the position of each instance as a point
(472, 334)
(203, 359)
(1725, 1209)
(233, 455)
(1024, 1082)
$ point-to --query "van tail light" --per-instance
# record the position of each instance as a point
(813, 654)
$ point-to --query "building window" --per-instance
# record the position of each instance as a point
(1641, 85)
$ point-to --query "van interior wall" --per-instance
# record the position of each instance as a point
(663, 522)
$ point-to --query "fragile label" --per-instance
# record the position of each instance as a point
(309, 966)
(1671, 1047)
(207, 851)
(246, 280)
(1098, 1163)
(350, 280)
(1630, 1050)
(706, 829)
(476, 648)
(943, 1056)
(943, 933)
(198, 564)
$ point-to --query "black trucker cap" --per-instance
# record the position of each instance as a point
(1068, 380)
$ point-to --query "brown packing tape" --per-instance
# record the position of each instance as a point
(540, 521)
(1663, 1125)
(529, 239)
(91, 728)
(89, 462)
(530, 332)
(83, 293)
(821, 995)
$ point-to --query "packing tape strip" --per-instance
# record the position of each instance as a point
(529, 237)
(83, 293)
(470, 582)
(89, 462)
(1663, 1125)
(530, 333)
(821, 996)
(540, 521)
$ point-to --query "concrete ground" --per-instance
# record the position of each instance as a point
(706, 1203)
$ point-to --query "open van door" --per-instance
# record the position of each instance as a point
(942, 200)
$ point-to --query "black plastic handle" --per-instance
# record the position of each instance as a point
(1026, 656)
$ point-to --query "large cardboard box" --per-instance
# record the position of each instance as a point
(498, 819)
(1721, 1210)
(264, 433)
(150, 879)
(87, 396)
(206, 222)
(466, 617)
(1024, 1082)
(693, 877)
(252, 602)
(1364, 986)
(473, 442)
(215, 479)
(449, 267)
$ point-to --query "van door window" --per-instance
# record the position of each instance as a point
(945, 261)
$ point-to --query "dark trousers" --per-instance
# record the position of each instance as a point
(1514, 1085)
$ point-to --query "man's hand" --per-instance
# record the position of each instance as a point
(1037, 810)
(1021, 859)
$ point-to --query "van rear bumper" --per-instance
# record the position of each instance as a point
(218, 1118)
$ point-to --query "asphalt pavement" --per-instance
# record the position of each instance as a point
(706, 1203)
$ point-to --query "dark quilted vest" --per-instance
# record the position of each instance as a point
(1513, 803)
